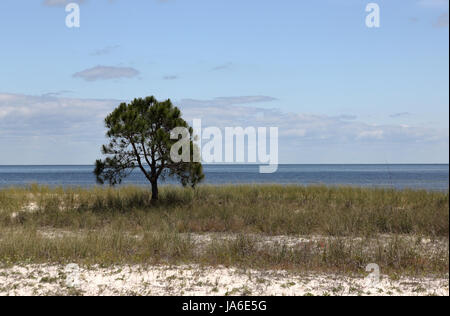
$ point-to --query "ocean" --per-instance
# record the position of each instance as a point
(429, 177)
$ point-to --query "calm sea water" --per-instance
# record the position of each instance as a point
(429, 177)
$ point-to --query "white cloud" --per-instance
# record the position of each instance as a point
(105, 50)
(297, 128)
(226, 101)
(22, 116)
(106, 73)
(377, 134)
(434, 3)
(442, 20)
(170, 77)
(400, 114)
(222, 67)
(60, 3)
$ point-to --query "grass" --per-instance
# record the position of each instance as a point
(114, 226)
(271, 210)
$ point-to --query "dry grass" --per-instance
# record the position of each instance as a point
(121, 226)
(271, 210)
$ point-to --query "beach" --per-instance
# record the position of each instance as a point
(224, 240)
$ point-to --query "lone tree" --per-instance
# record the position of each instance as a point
(140, 137)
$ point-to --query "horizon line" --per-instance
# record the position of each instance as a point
(245, 164)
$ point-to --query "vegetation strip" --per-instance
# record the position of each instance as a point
(342, 229)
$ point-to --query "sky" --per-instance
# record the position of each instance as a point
(338, 91)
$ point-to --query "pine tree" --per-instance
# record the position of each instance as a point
(139, 134)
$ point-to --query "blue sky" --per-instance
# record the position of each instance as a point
(339, 92)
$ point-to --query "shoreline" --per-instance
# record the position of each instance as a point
(432, 177)
(71, 187)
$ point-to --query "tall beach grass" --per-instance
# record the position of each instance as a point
(352, 227)
(270, 209)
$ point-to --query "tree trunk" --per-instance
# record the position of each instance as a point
(155, 191)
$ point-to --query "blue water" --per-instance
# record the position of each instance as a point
(429, 177)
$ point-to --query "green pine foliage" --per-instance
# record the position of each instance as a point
(139, 134)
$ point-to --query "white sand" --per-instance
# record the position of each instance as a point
(195, 280)
(32, 207)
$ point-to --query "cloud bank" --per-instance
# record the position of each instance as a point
(71, 130)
